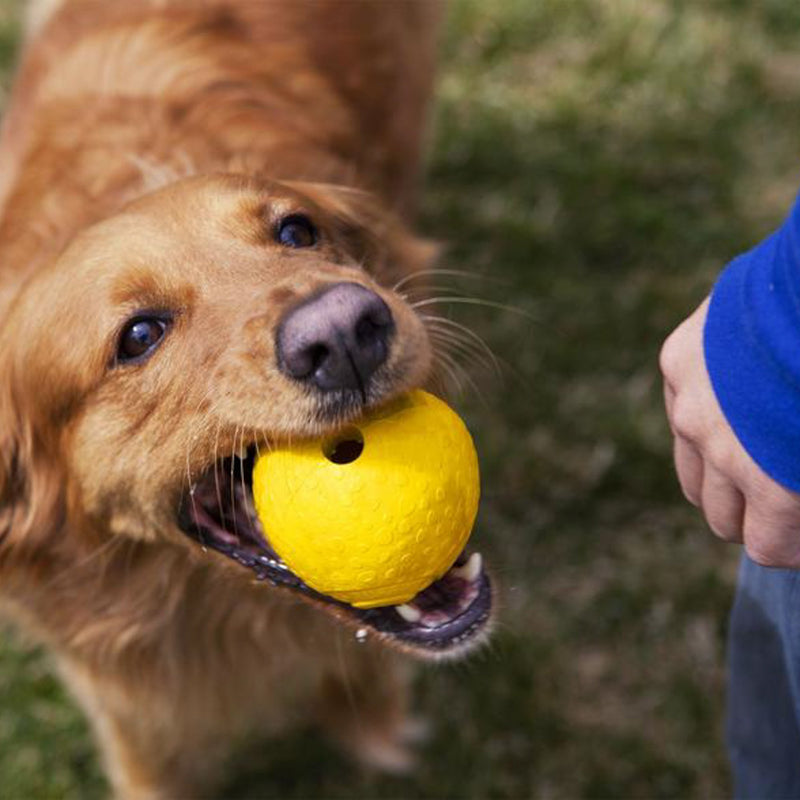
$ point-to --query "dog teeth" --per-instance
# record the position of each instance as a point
(241, 452)
(473, 567)
(471, 571)
(409, 613)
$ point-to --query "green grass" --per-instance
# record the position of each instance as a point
(596, 164)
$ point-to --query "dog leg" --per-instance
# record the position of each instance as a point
(151, 746)
(364, 709)
(39, 12)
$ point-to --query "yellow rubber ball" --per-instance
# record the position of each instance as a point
(377, 512)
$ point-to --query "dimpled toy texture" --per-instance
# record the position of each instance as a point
(376, 512)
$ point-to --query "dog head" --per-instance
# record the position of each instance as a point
(142, 369)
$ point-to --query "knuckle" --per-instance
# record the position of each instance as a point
(720, 454)
(668, 358)
(787, 514)
(684, 420)
(781, 508)
(783, 499)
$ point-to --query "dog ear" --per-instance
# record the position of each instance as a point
(374, 235)
(11, 472)
(31, 494)
(12, 445)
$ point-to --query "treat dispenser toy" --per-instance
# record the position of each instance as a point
(376, 512)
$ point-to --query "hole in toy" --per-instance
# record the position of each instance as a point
(345, 447)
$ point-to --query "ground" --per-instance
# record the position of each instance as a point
(594, 164)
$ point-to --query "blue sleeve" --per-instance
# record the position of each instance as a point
(752, 350)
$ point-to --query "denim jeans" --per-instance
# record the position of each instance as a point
(763, 725)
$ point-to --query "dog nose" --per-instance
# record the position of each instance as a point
(337, 339)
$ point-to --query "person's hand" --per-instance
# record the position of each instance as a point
(740, 502)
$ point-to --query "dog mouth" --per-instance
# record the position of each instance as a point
(446, 618)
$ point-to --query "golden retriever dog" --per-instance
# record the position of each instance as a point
(204, 211)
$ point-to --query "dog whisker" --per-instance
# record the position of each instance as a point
(415, 293)
(476, 301)
(449, 367)
(233, 479)
(458, 369)
(422, 273)
(348, 687)
(190, 481)
(445, 322)
(216, 473)
(466, 349)
(265, 440)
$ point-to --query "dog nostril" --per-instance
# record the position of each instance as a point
(374, 324)
(367, 330)
(304, 361)
(316, 355)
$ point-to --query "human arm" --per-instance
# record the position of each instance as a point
(732, 393)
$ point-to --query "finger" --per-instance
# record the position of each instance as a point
(680, 347)
(669, 402)
(689, 466)
(723, 505)
(772, 536)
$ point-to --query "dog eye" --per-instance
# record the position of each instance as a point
(296, 231)
(140, 337)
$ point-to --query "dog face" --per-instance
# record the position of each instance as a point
(143, 368)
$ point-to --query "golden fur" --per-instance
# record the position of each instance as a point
(147, 148)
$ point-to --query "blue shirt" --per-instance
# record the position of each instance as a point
(752, 350)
